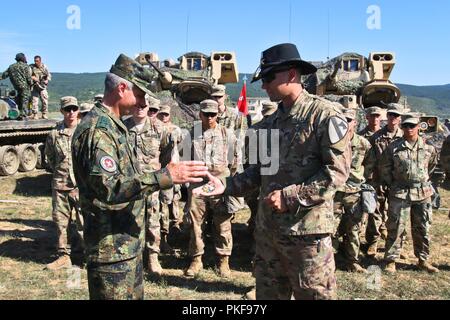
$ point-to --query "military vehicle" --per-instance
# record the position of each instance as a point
(189, 81)
(21, 142)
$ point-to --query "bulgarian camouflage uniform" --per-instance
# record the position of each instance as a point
(348, 206)
(379, 141)
(294, 253)
(39, 91)
(406, 168)
(65, 198)
(112, 195)
(20, 75)
(152, 143)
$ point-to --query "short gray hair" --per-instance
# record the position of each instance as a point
(112, 81)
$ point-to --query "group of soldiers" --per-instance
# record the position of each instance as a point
(30, 82)
(122, 165)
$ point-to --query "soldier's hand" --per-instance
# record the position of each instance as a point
(275, 200)
(187, 171)
(214, 187)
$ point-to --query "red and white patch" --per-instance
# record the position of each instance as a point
(108, 164)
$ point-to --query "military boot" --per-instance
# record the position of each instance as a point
(164, 246)
(195, 267)
(153, 264)
(355, 267)
(390, 267)
(251, 295)
(44, 115)
(60, 263)
(372, 250)
(224, 268)
(426, 266)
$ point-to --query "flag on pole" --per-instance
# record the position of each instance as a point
(242, 102)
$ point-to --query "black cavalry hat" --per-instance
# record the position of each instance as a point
(284, 54)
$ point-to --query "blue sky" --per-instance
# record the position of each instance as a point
(416, 31)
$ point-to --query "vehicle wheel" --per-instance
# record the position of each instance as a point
(40, 155)
(9, 160)
(27, 157)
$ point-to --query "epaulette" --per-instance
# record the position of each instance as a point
(103, 123)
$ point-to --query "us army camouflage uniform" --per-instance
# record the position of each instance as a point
(152, 143)
(20, 75)
(218, 148)
(347, 205)
(40, 92)
(112, 190)
(64, 187)
(170, 198)
(366, 133)
(379, 141)
(406, 170)
(294, 253)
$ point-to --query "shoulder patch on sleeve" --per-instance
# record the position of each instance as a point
(108, 164)
(337, 129)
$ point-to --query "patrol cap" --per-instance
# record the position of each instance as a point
(268, 108)
(153, 102)
(218, 90)
(209, 106)
(374, 111)
(411, 118)
(68, 101)
(86, 107)
(129, 69)
(165, 108)
(98, 97)
(350, 113)
(395, 108)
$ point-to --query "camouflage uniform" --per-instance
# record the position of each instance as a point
(64, 188)
(39, 91)
(406, 170)
(152, 143)
(212, 146)
(347, 205)
(20, 75)
(366, 133)
(293, 250)
(379, 141)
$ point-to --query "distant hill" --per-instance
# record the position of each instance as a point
(429, 99)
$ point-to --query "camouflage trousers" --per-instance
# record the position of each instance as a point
(41, 95)
(152, 223)
(170, 209)
(121, 280)
(22, 100)
(199, 208)
(252, 202)
(376, 221)
(64, 204)
(302, 266)
(348, 222)
(421, 213)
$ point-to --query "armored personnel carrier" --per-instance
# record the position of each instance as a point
(189, 80)
(21, 142)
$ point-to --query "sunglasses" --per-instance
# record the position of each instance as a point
(393, 115)
(163, 114)
(268, 78)
(71, 108)
(209, 114)
(152, 110)
(409, 125)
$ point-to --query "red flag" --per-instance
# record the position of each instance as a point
(242, 102)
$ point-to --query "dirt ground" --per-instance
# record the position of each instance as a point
(27, 243)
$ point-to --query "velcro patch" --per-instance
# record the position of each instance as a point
(108, 164)
(337, 129)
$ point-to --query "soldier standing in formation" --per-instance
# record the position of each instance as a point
(113, 188)
(218, 147)
(373, 116)
(20, 75)
(170, 199)
(405, 168)
(151, 141)
(347, 201)
(380, 140)
(41, 77)
(295, 221)
(65, 198)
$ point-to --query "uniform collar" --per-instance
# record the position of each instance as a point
(111, 115)
(419, 144)
(285, 113)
